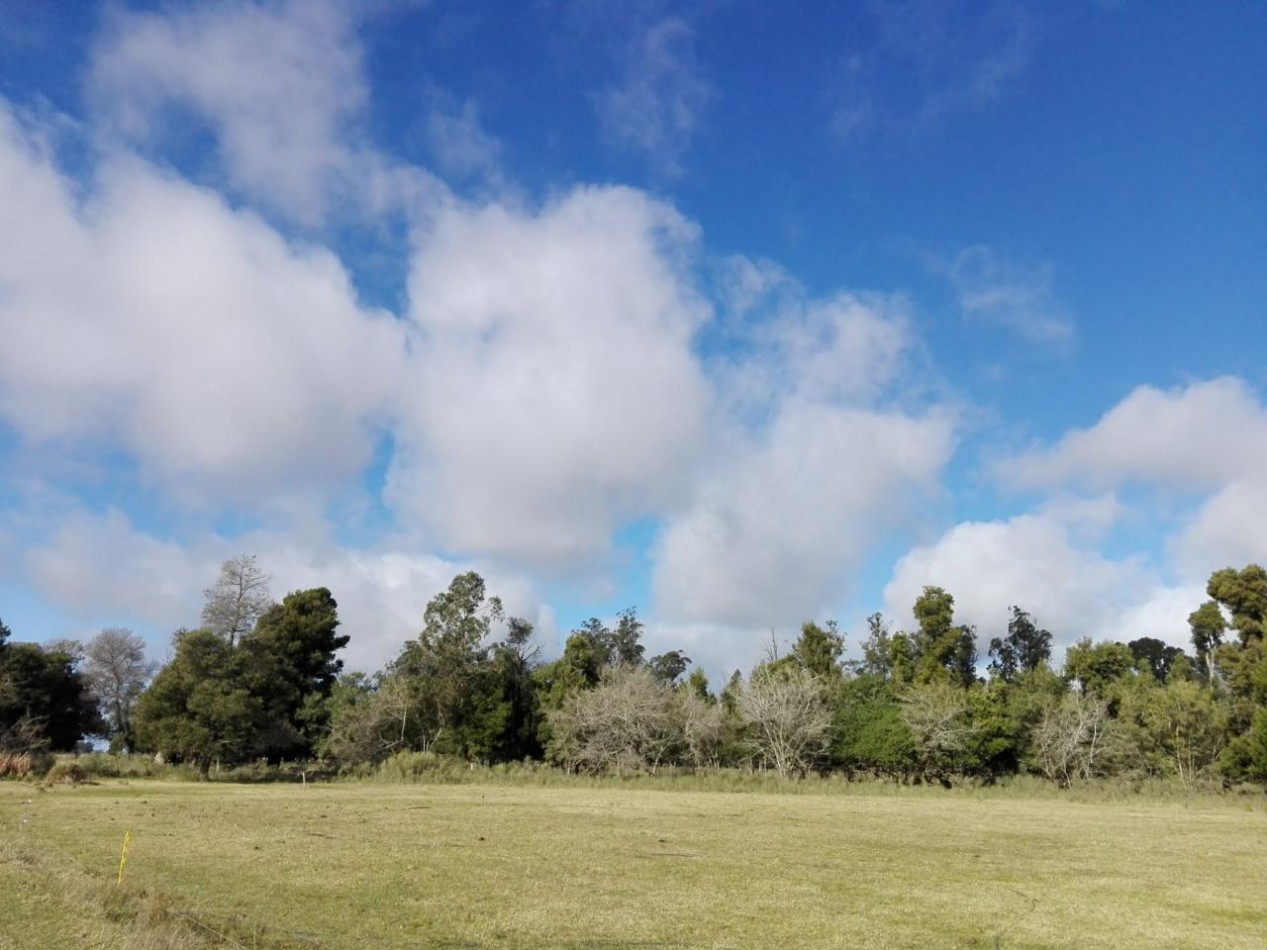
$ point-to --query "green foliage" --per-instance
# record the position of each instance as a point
(44, 698)
(1096, 666)
(868, 732)
(1244, 594)
(1208, 627)
(199, 708)
(818, 650)
(289, 661)
(877, 654)
(667, 667)
(943, 652)
(1025, 648)
(1178, 728)
(1155, 658)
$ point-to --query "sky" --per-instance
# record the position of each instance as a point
(742, 314)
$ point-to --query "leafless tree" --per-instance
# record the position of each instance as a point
(786, 717)
(238, 599)
(627, 723)
(1071, 739)
(701, 725)
(117, 671)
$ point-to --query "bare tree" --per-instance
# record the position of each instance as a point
(701, 725)
(786, 717)
(238, 599)
(626, 723)
(1071, 739)
(117, 671)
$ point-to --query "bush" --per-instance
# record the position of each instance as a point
(110, 765)
(66, 773)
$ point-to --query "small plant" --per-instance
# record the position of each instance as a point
(66, 773)
(15, 764)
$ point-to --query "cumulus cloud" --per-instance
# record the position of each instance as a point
(809, 469)
(280, 87)
(775, 529)
(1229, 529)
(657, 103)
(553, 392)
(1032, 561)
(147, 316)
(1205, 442)
(103, 567)
(1196, 437)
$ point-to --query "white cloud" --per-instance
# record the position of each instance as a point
(1198, 437)
(146, 316)
(656, 106)
(994, 291)
(775, 529)
(806, 472)
(1228, 530)
(282, 90)
(1032, 562)
(104, 568)
(553, 390)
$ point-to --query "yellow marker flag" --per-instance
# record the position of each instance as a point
(123, 858)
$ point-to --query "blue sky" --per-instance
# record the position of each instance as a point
(740, 313)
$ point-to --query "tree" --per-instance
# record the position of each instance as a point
(1070, 739)
(448, 660)
(937, 715)
(818, 650)
(1025, 647)
(1244, 594)
(667, 667)
(629, 722)
(786, 717)
(369, 719)
(877, 649)
(1095, 666)
(1208, 626)
(1154, 657)
(238, 599)
(1179, 726)
(943, 651)
(44, 699)
(626, 645)
(290, 660)
(870, 734)
(117, 671)
(199, 707)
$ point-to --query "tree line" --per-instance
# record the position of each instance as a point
(261, 679)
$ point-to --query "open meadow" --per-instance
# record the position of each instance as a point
(375, 865)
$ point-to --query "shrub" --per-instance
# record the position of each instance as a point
(66, 773)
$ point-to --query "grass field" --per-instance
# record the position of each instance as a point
(370, 865)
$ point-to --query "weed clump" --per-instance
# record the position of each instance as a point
(66, 773)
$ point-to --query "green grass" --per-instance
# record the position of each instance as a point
(503, 865)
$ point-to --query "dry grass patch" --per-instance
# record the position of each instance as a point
(501, 866)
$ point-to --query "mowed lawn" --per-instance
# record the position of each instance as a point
(351, 865)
